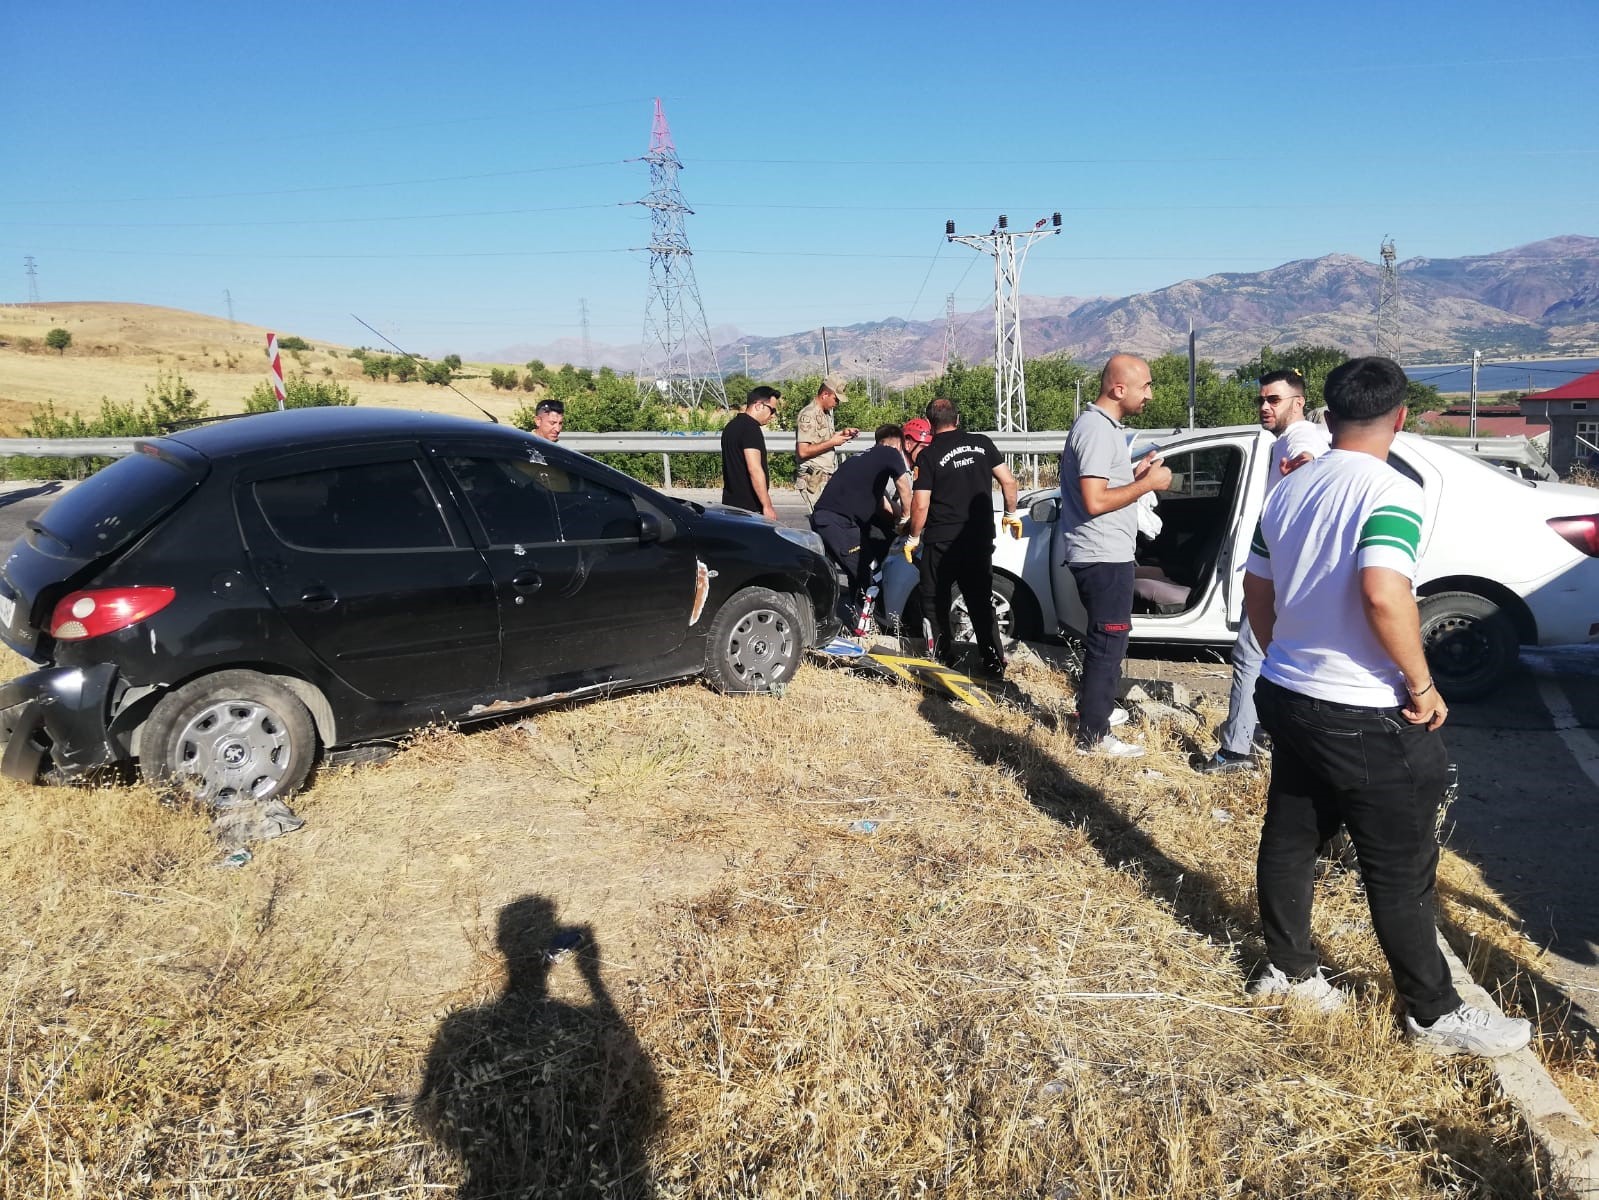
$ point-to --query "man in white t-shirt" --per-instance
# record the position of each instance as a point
(1282, 411)
(1354, 714)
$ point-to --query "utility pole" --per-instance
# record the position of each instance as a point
(949, 331)
(583, 316)
(1388, 302)
(1476, 361)
(1010, 383)
(227, 298)
(1191, 364)
(32, 272)
(678, 361)
(746, 360)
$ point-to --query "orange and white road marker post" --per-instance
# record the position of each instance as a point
(276, 371)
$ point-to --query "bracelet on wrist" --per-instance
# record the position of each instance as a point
(1418, 693)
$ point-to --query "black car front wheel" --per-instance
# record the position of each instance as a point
(235, 737)
(755, 643)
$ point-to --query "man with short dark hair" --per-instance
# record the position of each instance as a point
(1354, 713)
(816, 443)
(745, 483)
(853, 508)
(1100, 488)
(548, 420)
(952, 508)
(1299, 441)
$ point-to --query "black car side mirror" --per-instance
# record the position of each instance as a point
(649, 528)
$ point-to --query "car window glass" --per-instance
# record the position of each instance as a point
(590, 510)
(1398, 463)
(362, 506)
(1199, 473)
(510, 497)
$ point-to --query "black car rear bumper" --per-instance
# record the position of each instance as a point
(62, 711)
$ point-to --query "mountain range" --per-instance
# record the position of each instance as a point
(1541, 298)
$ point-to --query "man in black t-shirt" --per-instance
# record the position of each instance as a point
(852, 510)
(744, 478)
(952, 520)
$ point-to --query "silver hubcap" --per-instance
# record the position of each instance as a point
(233, 752)
(961, 621)
(761, 648)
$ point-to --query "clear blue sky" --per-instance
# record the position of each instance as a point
(458, 177)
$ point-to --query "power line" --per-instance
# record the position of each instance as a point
(332, 187)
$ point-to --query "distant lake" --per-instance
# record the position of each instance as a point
(1533, 375)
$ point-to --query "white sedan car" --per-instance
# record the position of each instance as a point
(1505, 561)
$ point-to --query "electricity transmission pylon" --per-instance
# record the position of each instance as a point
(32, 272)
(1010, 383)
(678, 360)
(1388, 302)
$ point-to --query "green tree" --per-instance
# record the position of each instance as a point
(379, 366)
(58, 340)
(438, 372)
(300, 393)
(405, 368)
(1312, 361)
(453, 361)
(291, 342)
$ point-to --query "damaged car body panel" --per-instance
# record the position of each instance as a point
(342, 576)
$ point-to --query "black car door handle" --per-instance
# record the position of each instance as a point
(318, 598)
(527, 581)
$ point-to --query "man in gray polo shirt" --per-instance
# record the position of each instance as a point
(1100, 487)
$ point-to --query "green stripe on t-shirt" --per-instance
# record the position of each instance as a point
(1392, 526)
(1257, 544)
(1392, 542)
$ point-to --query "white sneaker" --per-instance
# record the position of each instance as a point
(1470, 1030)
(1314, 991)
(1118, 716)
(1111, 746)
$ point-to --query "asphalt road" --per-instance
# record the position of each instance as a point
(1529, 775)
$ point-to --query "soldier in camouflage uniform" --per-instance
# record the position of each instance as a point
(816, 443)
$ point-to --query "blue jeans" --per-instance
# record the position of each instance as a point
(1381, 777)
(1106, 590)
(1238, 730)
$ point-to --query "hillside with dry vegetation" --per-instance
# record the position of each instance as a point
(119, 350)
(853, 941)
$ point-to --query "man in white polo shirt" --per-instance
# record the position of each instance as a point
(1282, 411)
(1354, 714)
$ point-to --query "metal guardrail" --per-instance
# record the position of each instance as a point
(1499, 449)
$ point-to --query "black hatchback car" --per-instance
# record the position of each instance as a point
(228, 600)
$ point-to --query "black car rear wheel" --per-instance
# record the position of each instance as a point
(1471, 643)
(235, 737)
(755, 642)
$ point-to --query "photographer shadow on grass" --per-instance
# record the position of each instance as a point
(539, 1097)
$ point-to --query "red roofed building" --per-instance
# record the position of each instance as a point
(1572, 413)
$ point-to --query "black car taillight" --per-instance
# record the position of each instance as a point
(1581, 532)
(105, 610)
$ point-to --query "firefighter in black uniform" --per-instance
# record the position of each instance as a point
(952, 520)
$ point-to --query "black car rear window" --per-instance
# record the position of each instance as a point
(115, 505)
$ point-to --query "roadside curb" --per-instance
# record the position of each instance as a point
(1569, 1141)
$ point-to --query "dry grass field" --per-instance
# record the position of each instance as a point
(118, 349)
(1022, 979)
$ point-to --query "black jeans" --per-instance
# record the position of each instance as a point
(967, 561)
(1382, 777)
(1106, 590)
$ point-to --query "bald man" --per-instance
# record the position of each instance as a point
(1100, 487)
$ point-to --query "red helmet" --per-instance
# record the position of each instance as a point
(919, 429)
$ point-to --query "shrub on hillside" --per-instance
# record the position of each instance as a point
(169, 404)
(290, 342)
(300, 393)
